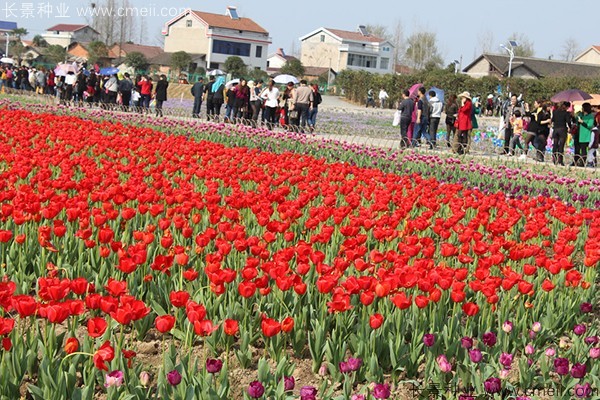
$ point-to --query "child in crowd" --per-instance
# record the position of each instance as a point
(517, 123)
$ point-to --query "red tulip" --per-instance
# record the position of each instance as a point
(270, 327)
(164, 323)
(375, 321)
(230, 327)
(71, 345)
(96, 327)
(179, 299)
(287, 325)
(470, 309)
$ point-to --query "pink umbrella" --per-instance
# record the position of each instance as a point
(414, 89)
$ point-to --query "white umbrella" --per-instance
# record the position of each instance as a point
(216, 72)
(6, 60)
(285, 78)
(231, 82)
(64, 69)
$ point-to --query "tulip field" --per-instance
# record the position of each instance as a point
(185, 260)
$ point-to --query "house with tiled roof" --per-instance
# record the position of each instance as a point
(150, 52)
(277, 60)
(217, 37)
(339, 49)
(66, 34)
(589, 56)
(497, 65)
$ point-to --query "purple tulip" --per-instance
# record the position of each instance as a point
(214, 365)
(358, 397)
(591, 340)
(466, 342)
(550, 352)
(579, 329)
(443, 363)
(492, 385)
(475, 355)
(489, 339)
(354, 363)
(466, 397)
(506, 360)
(561, 366)
(578, 370)
(595, 352)
(308, 393)
(507, 326)
(381, 391)
(583, 391)
(114, 378)
(174, 377)
(428, 339)
(586, 307)
(344, 368)
(289, 383)
(256, 389)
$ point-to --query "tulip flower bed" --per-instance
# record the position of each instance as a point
(143, 264)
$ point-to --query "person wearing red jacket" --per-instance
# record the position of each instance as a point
(145, 88)
(464, 122)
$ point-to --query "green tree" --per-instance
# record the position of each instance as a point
(16, 48)
(180, 61)
(257, 75)
(136, 60)
(39, 41)
(422, 51)
(235, 66)
(96, 51)
(55, 53)
(293, 67)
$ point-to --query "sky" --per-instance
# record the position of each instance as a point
(462, 27)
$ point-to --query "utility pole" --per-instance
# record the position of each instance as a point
(7, 40)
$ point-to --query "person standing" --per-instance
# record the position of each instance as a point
(422, 122)
(436, 107)
(561, 121)
(508, 114)
(242, 98)
(464, 122)
(145, 89)
(303, 102)
(383, 96)
(160, 94)
(270, 95)
(405, 107)
(208, 97)
(112, 89)
(256, 102)
(230, 101)
(125, 88)
(40, 77)
(312, 114)
(370, 98)
(451, 114)
(585, 122)
(197, 91)
(217, 90)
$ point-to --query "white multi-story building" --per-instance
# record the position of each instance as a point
(338, 49)
(218, 37)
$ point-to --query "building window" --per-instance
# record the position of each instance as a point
(214, 65)
(188, 23)
(385, 48)
(258, 51)
(359, 60)
(322, 38)
(385, 63)
(231, 48)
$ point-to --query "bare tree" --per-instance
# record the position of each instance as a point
(380, 31)
(113, 26)
(525, 46)
(570, 49)
(422, 50)
(398, 42)
(486, 42)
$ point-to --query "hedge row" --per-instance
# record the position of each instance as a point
(356, 84)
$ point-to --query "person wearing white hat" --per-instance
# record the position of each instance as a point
(464, 122)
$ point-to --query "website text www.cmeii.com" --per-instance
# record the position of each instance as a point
(38, 10)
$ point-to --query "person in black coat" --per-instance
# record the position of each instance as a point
(160, 94)
(198, 92)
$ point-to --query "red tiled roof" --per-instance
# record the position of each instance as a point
(66, 27)
(148, 51)
(597, 48)
(224, 21)
(356, 36)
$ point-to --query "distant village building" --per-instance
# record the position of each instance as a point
(217, 37)
(338, 49)
(66, 34)
(589, 56)
(277, 60)
(497, 65)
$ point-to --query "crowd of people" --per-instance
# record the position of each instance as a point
(522, 125)
(294, 107)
